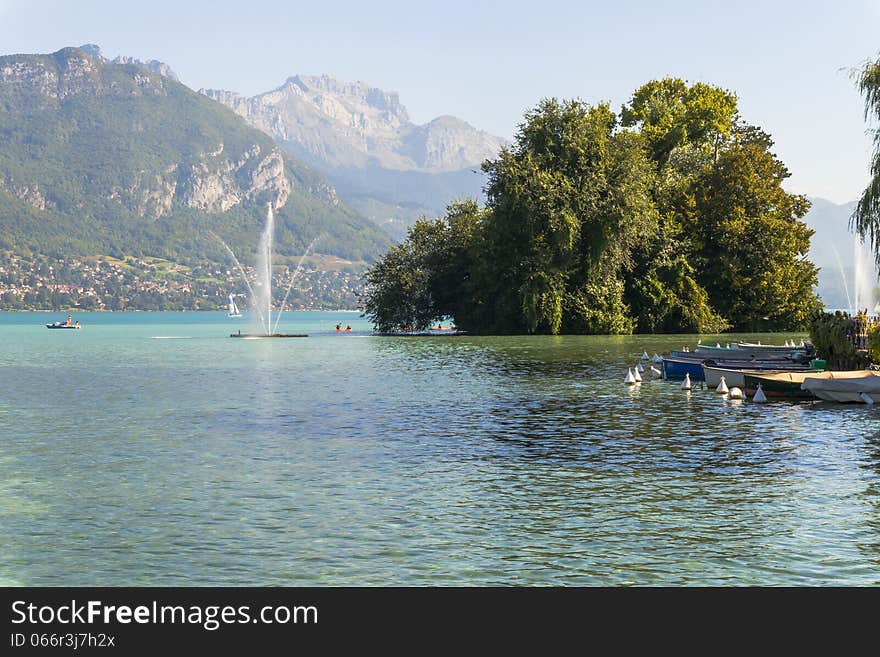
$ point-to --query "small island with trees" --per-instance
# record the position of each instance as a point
(667, 216)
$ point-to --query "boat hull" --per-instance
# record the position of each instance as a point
(734, 375)
(857, 386)
(712, 376)
(675, 369)
(774, 387)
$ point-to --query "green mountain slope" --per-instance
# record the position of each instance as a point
(98, 157)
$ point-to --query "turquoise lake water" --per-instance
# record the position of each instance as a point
(151, 449)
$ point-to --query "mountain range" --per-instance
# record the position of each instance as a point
(362, 138)
(118, 157)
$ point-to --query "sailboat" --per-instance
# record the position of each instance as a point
(233, 309)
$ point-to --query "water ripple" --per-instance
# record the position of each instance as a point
(395, 461)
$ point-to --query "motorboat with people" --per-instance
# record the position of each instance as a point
(67, 324)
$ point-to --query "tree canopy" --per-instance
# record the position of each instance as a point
(667, 217)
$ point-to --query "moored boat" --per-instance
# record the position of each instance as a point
(858, 386)
(734, 374)
(733, 371)
(778, 385)
(675, 368)
(741, 356)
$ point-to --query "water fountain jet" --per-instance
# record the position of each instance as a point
(261, 296)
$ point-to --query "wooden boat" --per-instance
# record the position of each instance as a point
(707, 369)
(857, 386)
(778, 385)
(734, 374)
(740, 356)
(771, 347)
(675, 368)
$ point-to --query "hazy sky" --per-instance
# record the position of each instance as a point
(487, 62)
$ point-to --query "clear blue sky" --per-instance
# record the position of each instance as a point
(487, 62)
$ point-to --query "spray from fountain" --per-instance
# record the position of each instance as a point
(849, 303)
(243, 277)
(292, 279)
(262, 300)
(864, 277)
(261, 291)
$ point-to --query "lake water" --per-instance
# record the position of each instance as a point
(151, 449)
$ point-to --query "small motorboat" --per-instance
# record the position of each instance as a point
(68, 324)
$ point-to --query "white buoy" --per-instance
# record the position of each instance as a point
(728, 346)
(867, 398)
(802, 343)
(718, 345)
(736, 393)
(640, 368)
(630, 379)
(657, 374)
(657, 358)
(722, 387)
(686, 384)
(637, 375)
(759, 397)
(644, 355)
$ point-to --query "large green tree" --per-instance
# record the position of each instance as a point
(749, 247)
(567, 203)
(669, 217)
(427, 276)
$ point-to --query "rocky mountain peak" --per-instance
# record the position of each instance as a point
(151, 64)
(354, 94)
(334, 123)
(92, 49)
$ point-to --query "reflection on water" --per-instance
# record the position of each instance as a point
(335, 460)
